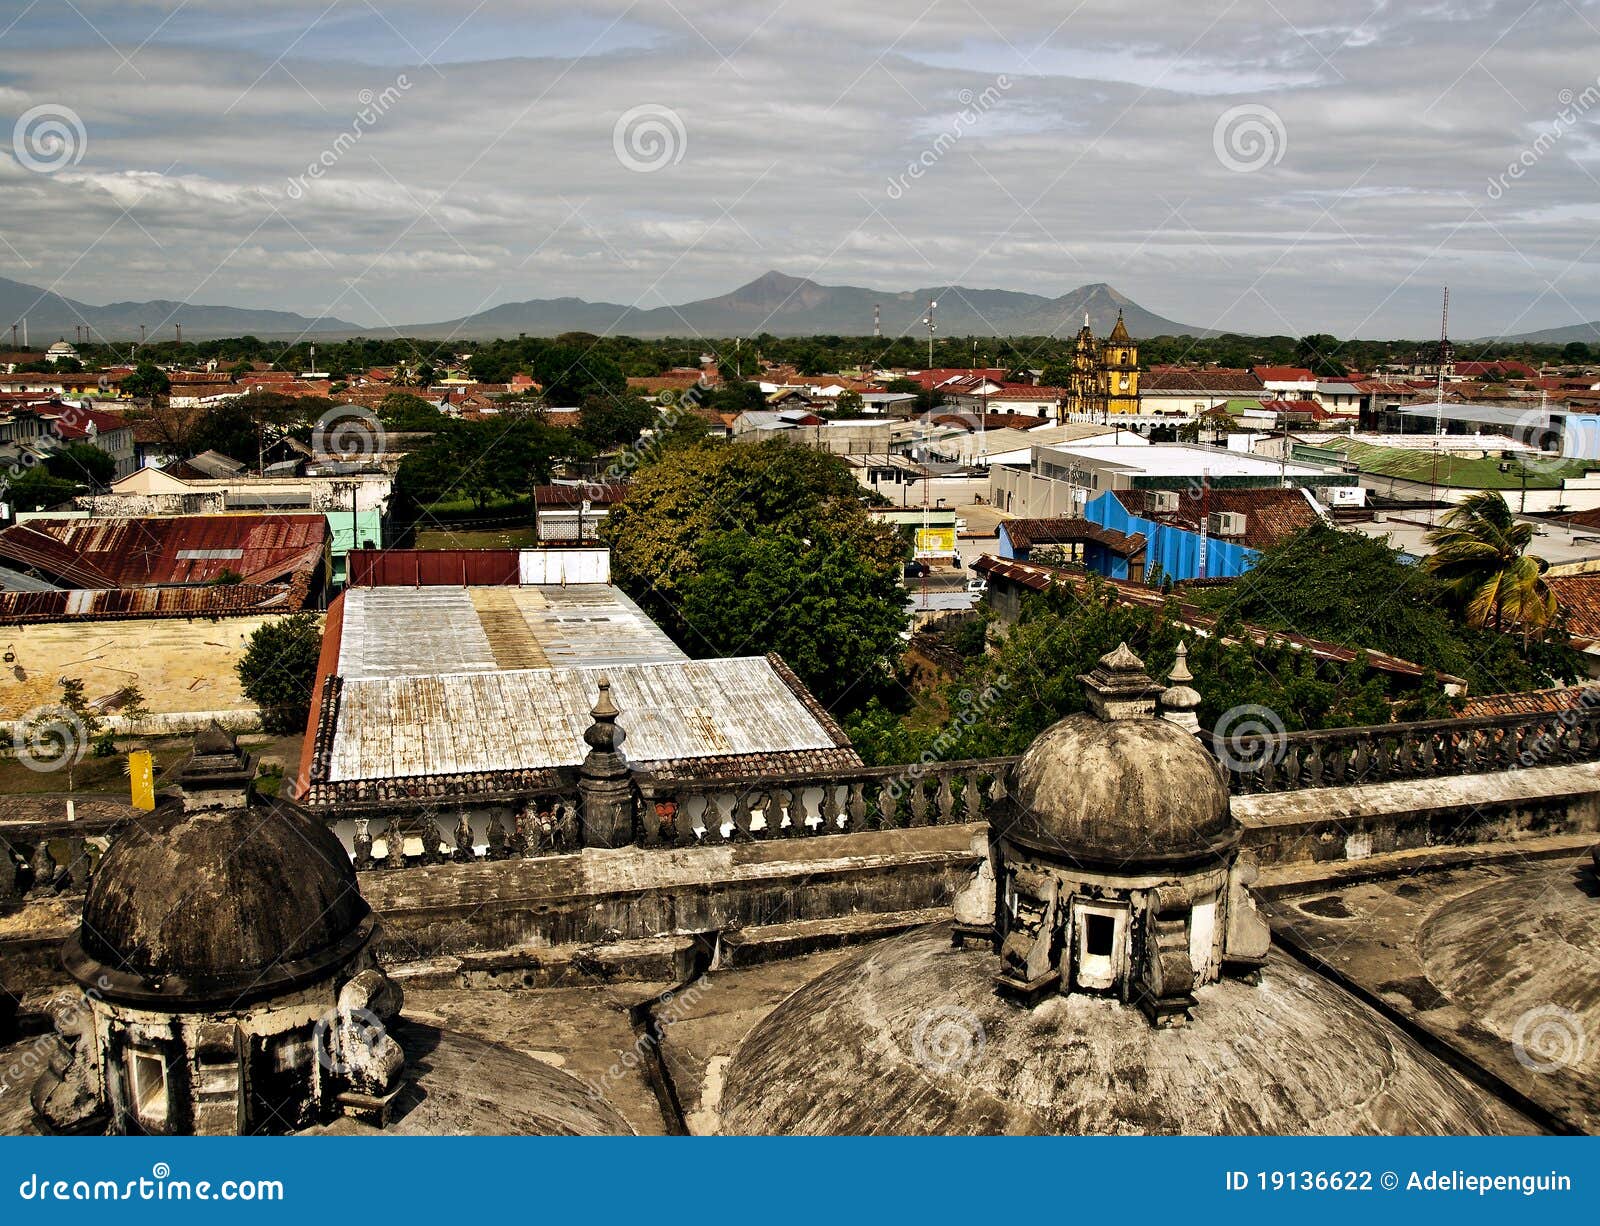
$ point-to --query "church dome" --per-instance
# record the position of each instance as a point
(190, 908)
(910, 1038)
(1121, 791)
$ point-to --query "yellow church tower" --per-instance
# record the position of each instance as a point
(1083, 394)
(1119, 372)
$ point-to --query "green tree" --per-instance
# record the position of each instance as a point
(1318, 353)
(34, 489)
(782, 524)
(1575, 353)
(81, 462)
(403, 411)
(146, 382)
(1481, 556)
(278, 670)
(1357, 592)
(833, 617)
(607, 420)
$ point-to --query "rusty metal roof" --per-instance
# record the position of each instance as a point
(184, 549)
(102, 604)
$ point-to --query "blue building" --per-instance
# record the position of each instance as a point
(1139, 534)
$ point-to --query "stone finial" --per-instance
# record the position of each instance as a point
(605, 784)
(1180, 700)
(604, 735)
(1119, 688)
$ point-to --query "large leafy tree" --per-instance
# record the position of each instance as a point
(279, 670)
(833, 617)
(1480, 553)
(607, 420)
(751, 547)
(146, 382)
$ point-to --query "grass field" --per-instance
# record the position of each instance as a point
(510, 537)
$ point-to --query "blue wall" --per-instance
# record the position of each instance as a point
(1176, 551)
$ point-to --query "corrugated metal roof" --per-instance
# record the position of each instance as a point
(184, 549)
(462, 723)
(409, 632)
(111, 603)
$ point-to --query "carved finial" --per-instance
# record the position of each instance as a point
(604, 708)
(604, 736)
(1180, 700)
(1180, 667)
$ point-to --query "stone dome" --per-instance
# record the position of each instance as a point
(189, 908)
(909, 1038)
(1125, 790)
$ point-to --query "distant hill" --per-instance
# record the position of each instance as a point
(1588, 333)
(51, 316)
(796, 306)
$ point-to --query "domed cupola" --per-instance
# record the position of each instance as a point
(1118, 860)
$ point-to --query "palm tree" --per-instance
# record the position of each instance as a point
(1480, 554)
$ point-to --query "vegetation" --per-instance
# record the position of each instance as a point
(1340, 587)
(1481, 556)
(501, 457)
(279, 669)
(761, 547)
(147, 382)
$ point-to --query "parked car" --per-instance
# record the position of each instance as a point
(977, 587)
(916, 570)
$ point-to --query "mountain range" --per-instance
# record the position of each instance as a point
(796, 306)
(51, 317)
(773, 302)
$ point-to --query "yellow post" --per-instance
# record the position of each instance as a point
(142, 774)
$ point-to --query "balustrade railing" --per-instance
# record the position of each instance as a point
(1343, 757)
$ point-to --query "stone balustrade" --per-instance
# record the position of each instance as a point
(1345, 757)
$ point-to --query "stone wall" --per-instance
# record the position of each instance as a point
(1354, 823)
(599, 896)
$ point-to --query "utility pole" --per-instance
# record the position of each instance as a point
(932, 327)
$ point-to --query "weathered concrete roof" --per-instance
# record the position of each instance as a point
(910, 1038)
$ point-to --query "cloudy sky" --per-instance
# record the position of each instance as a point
(1272, 166)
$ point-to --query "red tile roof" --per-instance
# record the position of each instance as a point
(1201, 379)
(1579, 597)
(1282, 374)
(1534, 702)
(1026, 533)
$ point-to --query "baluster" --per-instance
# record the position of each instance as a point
(395, 842)
(1313, 766)
(363, 843)
(919, 803)
(856, 808)
(971, 799)
(888, 804)
(712, 818)
(946, 801)
(741, 817)
(831, 809)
